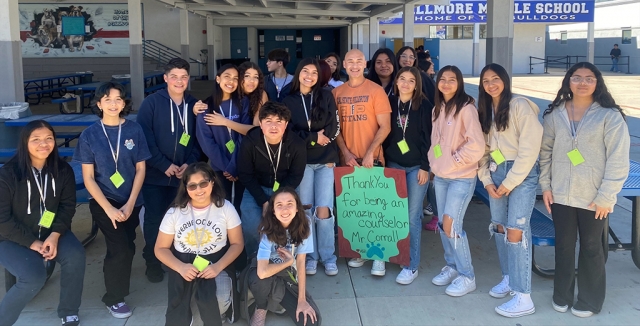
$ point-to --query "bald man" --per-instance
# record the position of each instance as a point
(365, 122)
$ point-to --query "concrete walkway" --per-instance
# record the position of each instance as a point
(354, 297)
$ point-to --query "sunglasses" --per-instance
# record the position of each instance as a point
(203, 184)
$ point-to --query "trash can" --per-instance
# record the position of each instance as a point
(11, 111)
(125, 80)
(86, 79)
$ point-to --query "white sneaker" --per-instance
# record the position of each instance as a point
(356, 262)
(428, 210)
(460, 286)
(331, 269)
(445, 277)
(311, 267)
(406, 276)
(581, 313)
(520, 305)
(502, 289)
(378, 268)
(558, 307)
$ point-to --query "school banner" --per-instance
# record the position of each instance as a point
(470, 11)
(51, 30)
(372, 213)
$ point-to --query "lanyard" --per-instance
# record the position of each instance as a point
(275, 168)
(284, 82)
(494, 129)
(572, 124)
(228, 116)
(195, 229)
(306, 114)
(183, 117)
(43, 193)
(115, 154)
(406, 119)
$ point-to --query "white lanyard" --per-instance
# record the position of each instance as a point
(406, 119)
(43, 193)
(306, 114)
(284, 83)
(183, 117)
(115, 154)
(494, 128)
(275, 168)
(195, 229)
(228, 117)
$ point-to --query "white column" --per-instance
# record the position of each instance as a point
(591, 48)
(475, 65)
(407, 25)
(360, 44)
(12, 89)
(184, 34)
(349, 38)
(136, 61)
(211, 55)
(374, 35)
(500, 33)
(354, 36)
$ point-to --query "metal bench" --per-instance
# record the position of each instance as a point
(40, 93)
(152, 89)
(62, 151)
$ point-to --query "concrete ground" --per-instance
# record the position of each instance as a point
(354, 297)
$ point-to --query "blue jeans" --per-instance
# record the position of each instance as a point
(251, 214)
(416, 195)
(316, 188)
(29, 269)
(453, 197)
(513, 212)
(614, 64)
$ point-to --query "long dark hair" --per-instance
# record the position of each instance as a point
(255, 97)
(417, 97)
(485, 100)
(458, 101)
(22, 157)
(373, 75)
(336, 74)
(299, 228)
(216, 96)
(324, 75)
(103, 90)
(405, 48)
(317, 113)
(217, 192)
(600, 95)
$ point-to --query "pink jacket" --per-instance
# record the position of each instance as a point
(461, 141)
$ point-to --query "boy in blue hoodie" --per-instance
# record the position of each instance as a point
(169, 127)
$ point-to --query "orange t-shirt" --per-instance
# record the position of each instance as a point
(358, 107)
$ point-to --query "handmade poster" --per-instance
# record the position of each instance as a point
(372, 214)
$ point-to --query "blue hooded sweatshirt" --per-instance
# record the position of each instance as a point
(163, 135)
(214, 139)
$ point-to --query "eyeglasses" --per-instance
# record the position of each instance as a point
(203, 184)
(406, 56)
(579, 80)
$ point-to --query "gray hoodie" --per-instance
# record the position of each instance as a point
(602, 139)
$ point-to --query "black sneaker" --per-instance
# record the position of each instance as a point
(71, 321)
(154, 273)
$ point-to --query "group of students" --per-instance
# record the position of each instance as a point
(265, 200)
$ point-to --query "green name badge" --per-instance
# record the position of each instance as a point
(575, 157)
(184, 140)
(200, 263)
(276, 185)
(437, 151)
(117, 179)
(231, 146)
(47, 219)
(313, 143)
(498, 157)
(403, 146)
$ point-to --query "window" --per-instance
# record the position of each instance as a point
(437, 31)
(467, 31)
(483, 31)
(563, 38)
(626, 36)
(454, 32)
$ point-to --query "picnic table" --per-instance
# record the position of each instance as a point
(61, 120)
(42, 86)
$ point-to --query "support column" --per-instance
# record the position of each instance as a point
(184, 34)
(354, 36)
(407, 24)
(136, 61)
(500, 33)
(591, 48)
(475, 65)
(12, 89)
(360, 44)
(211, 56)
(349, 38)
(374, 35)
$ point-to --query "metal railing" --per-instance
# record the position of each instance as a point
(161, 54)
(552, 61)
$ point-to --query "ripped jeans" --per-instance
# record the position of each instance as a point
(316, 188)
(514, 212)
(453, 197)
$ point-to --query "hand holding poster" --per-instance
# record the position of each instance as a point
(372, 214)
